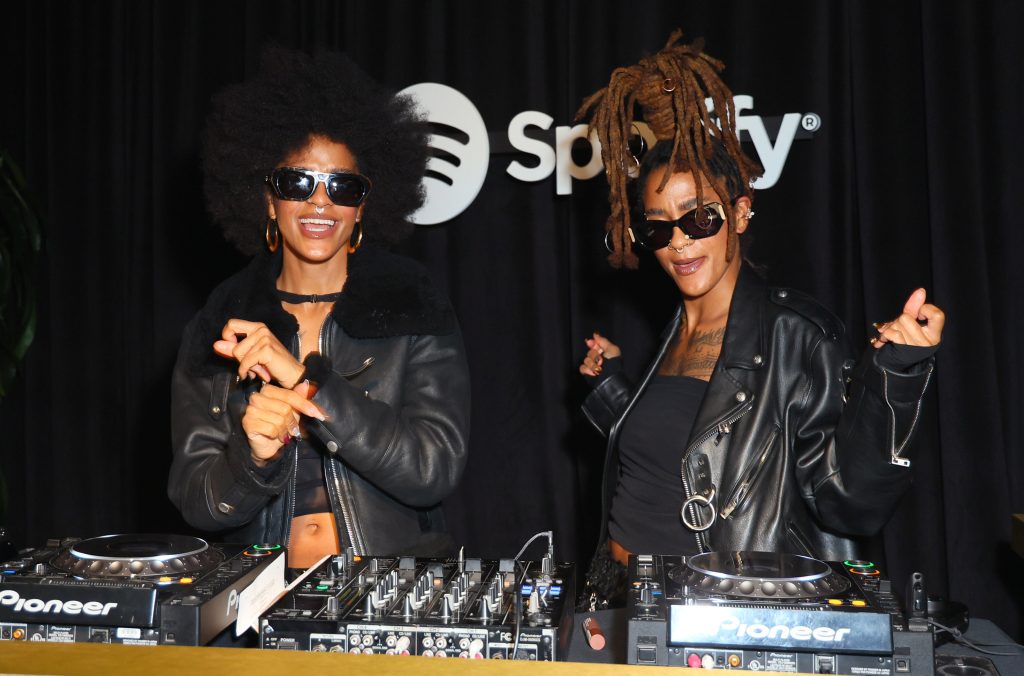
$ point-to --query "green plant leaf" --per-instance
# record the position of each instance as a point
(20, 242)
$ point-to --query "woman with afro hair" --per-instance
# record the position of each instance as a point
(752, 429)
(321, 397)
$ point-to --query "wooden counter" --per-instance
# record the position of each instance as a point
(83, 659)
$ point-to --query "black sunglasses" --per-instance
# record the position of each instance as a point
(343, 188)
(704, 221)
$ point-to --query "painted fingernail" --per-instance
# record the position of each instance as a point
(295, 431)
(878, 326)
(286, 439)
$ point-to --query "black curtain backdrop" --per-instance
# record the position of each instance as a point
(909, 181)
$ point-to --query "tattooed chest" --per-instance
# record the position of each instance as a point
(694, 355)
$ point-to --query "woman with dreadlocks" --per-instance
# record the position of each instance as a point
(751, 429)
(321, 397)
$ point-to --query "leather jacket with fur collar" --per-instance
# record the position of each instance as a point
(393, 382)
(795, 447)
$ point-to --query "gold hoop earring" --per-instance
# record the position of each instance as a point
(357, 235)
(272, 235)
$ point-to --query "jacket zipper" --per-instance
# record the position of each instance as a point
(320, 345)
(332, 469)
(721, 428)
(895, 450)
(330, 463)
(367, 363)
(295, 469)
(291, 502)
(749, 476)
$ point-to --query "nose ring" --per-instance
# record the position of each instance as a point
(679, 249)
(318, 208)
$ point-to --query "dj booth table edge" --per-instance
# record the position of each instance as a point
(84, 659)
(95, 659)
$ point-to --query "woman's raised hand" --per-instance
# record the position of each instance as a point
(272, 418)
(599, 348)
(259, 353)
(920, 324)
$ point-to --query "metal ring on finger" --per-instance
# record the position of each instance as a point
(699, 501)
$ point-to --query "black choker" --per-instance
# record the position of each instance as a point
(298, 298)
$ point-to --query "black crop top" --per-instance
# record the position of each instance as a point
(310, 491)
(644, 515)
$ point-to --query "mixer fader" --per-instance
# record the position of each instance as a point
(470, 608)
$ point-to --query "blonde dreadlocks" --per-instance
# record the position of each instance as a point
(671, 87)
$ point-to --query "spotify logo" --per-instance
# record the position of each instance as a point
(460, 147)
(459, 152)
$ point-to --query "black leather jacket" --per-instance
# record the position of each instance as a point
(795, 448)
(394, 386)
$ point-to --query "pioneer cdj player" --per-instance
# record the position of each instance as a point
(766, 611)
(137, 589)
(470, 608)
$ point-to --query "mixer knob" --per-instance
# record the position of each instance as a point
(496, 598)
(332, 605)
(41, 569)
(485, 610)
(371, 604)
(533, 607)
(456, 596)
(446, 607)
(407, 607)
(338, 566)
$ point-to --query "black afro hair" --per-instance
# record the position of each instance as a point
(254, 125)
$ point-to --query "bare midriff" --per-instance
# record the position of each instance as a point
(313, 536)
(618, 552)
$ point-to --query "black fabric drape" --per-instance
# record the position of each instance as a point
(909, 181)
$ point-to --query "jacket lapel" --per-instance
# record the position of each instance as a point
(742, 353)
